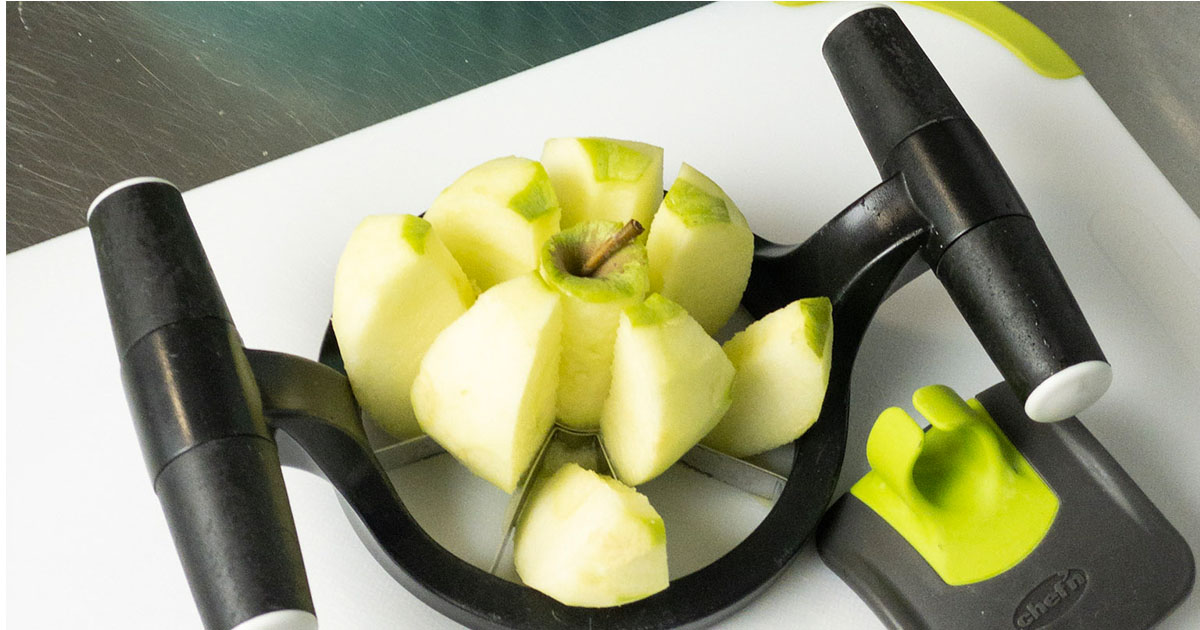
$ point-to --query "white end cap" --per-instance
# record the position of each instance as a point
(122, 185)
(280, 620)
(1069, 392)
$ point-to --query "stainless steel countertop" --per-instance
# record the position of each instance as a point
(192, 92)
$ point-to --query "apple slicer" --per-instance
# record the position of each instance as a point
(216, 420)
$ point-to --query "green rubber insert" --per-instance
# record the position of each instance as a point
(1026, 41)
(960, 494)
(818, 321)
(537, 199)
(414, 230)
(694, 206)
(612, 161)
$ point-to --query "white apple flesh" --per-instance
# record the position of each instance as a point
(670, 387)
(604, 179)
(487, 386)
(588, 540)
(592, 308)
(700, 249)
(396, 288)
(551, 338)
(495, 218)
(782, 364)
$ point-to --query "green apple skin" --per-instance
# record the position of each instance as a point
(604, 179)
(396, 288)
(782, 364)
(487, 386)
(495, 218)
(670, 386)
(700, 249)
(588, 540)
(591, 311)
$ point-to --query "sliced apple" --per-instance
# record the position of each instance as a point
(782, 364)
(495, 218)
(395, 289)
(588, 540)
(670, 387)
(486, 388)
(592, 308)
(604, 179)
(700, 249)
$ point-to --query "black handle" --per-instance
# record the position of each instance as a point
(982, 243)
(198, 412)
(889, 85)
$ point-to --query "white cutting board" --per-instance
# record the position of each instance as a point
(741, 92)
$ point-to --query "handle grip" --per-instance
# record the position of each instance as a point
(1006, 284)
(198, 413)
(982, 242)
(889, 85)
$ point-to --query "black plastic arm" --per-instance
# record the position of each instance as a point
(845, 251)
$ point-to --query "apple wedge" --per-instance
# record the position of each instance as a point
(700, 249)
(604, 179)
(670, 387)
(495, 218)
(486, 387)
(396, 287)
(588, 540)
(592, 306)
(782, 364)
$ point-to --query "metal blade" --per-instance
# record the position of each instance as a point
(394, 453)
(399, 454)
(738, 473)
(562, 446)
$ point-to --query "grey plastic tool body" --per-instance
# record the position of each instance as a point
(1110, 560)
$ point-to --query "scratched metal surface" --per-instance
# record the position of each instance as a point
(193, 92)
(197, 91)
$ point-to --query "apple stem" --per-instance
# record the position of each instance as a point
(612, 245)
